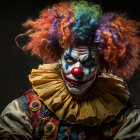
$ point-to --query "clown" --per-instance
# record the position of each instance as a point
(80, 66)
(79, 92)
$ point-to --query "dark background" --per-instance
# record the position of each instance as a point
(15, 65)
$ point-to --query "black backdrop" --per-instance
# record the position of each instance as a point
(15, 65)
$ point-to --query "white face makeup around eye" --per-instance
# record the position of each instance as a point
(80, 66)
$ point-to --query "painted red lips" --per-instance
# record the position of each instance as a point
(76, 83)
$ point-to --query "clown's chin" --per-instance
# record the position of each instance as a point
(78, 87)
(78, 90)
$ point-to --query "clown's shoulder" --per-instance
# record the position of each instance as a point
(29, 118)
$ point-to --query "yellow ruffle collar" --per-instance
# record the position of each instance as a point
(104, 100)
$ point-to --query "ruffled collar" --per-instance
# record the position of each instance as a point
(102, 103)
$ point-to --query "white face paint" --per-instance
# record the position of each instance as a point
(80, 65)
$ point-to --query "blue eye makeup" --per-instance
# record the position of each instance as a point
(70, 51)
(89, 63)
(89, 54)
(68, 58)
(66, 65)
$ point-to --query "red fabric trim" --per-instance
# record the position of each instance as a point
(56, 122)
(34, 115)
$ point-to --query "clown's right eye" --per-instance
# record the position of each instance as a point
(69, 59)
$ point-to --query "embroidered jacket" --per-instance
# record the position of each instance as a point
(43, 124)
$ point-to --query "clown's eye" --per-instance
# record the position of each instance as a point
(89, 63)
(69, 59)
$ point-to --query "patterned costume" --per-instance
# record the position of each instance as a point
(79, 92)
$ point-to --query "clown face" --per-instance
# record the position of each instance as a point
(80, 65)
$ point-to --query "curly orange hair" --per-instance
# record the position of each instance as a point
(42, 35)
(119, 44)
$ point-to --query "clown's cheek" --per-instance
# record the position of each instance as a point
(89, 71)
(64, 67)
(66, 70)
(93, 70)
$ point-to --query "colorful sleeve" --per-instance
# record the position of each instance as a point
(130, 130)
(15, 122)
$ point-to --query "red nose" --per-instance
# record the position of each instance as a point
(77, 71)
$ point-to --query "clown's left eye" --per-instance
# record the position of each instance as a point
(89, 63)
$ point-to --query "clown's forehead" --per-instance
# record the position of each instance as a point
(81, 52)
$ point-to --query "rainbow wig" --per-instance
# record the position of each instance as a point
(66, 23)
(119, 44)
